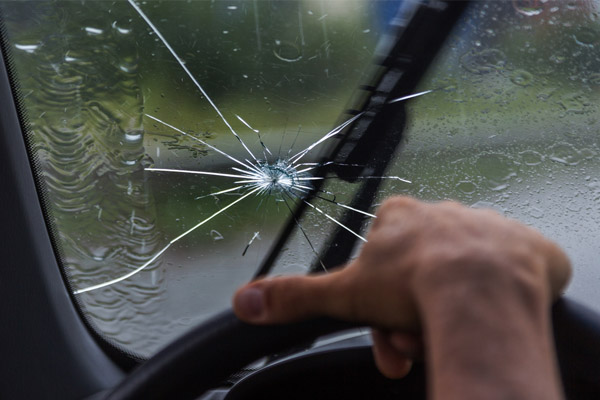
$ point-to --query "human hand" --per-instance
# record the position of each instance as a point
(421, 261)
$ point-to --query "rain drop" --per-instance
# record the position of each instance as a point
(521, 77)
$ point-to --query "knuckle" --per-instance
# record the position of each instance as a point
(398, 203)
(450, 204)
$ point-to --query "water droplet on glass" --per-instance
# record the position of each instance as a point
(93, 31)
(528, 8)
(495, 167)
(216, 235)
(565, 153)
(574, 103)
(28, 47)
(68, 58)
(128, 67)
(588, 154)
(123, 26)
(558, 59)
(483, 61)
(585, 37)
(521, 77)
(499, 188)
(594, 78)
(133, 137)
(536, 212)
(531, 157)
(546, 93)
(287, 51)
(466, 187)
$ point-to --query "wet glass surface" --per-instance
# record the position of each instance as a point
(512, 123)
(109, 91)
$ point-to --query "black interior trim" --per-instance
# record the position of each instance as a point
(117, 352)
(577, 338)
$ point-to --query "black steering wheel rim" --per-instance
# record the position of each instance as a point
(211, 352)
(221, 346)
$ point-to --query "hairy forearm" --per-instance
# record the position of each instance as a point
(489, 340)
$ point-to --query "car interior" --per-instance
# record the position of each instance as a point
(156, 155)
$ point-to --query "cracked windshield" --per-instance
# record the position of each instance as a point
(173, 141)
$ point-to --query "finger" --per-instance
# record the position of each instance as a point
(409, 344)
(392, 363)
(290, 299)
(559, 271)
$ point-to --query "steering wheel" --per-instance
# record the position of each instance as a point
(211, 352)
(214, 350)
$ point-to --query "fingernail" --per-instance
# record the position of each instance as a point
(250, 303)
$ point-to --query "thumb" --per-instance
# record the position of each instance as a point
(294, 298)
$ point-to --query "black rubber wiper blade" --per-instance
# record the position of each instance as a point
(380, 133)
(419, 30)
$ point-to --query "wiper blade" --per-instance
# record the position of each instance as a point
(420, 29)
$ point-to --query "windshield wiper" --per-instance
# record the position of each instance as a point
(419, 30)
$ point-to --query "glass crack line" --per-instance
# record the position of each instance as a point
(233, 189)
(147, 263)
(187, 71)
(247, 124)
(410, 96)
(334, 220)
(347, 207)
(184, 171)
(281, 177)
(295, 158)
(256, 235)
(249, 165)
(304, 233)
